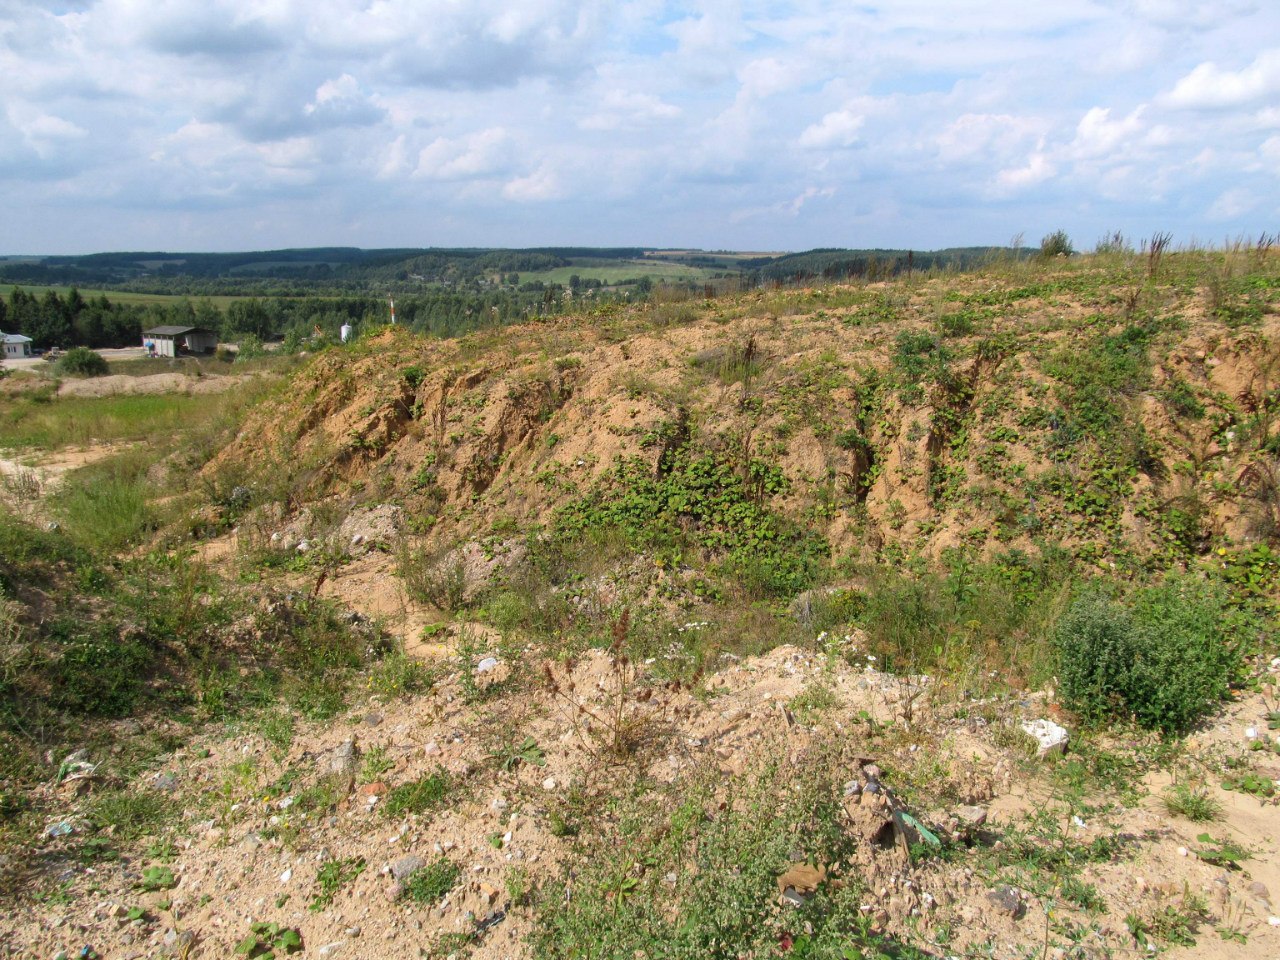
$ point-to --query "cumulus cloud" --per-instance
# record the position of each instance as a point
(485, 153)
(723, 123)
(1211, 87)
(837, 129)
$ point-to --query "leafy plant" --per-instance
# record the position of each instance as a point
(376, 762)
(332, 877)
(1165, 660)
(1222, 853)
(82, 362)
(157, 878)
(527, 751)
(265, 939)
(1251, 783)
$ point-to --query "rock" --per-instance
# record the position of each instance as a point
(549, 783)
(794, 899)
(487, 665)
(166, 782)
(970, 818)
(330, 948)
(376, 789)
(345, 758)
(1007, 901)
(802, 879)
(1049, 736)
(373, 719)
(401, 868)
(432, 749)
(1259, 889)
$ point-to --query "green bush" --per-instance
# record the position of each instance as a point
(82, 362)
(1056, 244)
(1165, 660)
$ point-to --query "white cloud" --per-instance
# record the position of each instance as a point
(1097, 135)
(1232, 204)
(540, 185)
(663, 118)
(620, 108)
(485, 153)
(837, 129)
(1209, 86)
(1036, 170)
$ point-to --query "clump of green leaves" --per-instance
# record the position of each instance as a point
(157, 878)
(1222, 853)
(527, 751)
(708, 501)
(419, 796)
(429, 884)
(1165, 659)
(266, 939)
(332, 877)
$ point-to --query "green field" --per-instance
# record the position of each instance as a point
(615, 271)
(118, 296)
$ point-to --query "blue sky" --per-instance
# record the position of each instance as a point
(231, 125)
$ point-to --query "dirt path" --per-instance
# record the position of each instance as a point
(154, 383)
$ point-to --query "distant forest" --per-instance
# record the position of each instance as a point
(443, 292)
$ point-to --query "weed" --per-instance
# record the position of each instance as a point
(376, 762)
(157, 878)
(1254, 784)
(332, 877)
(429, 884)
(265, 939)
(435, 577)
(692, 873)
(1222, 853)
(621, 725)
(399, 675)
(1194, 803)
(1165, 660)
(809, 705)
(527, 751)
(420, 796)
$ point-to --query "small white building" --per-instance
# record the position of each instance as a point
(177, 341)
(15, 345)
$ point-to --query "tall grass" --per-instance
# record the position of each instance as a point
(104, 505)
(47, 423)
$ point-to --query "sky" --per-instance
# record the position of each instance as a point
(219, 125)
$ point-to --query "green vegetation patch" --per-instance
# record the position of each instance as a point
(706, 501)
(693, 873)
(1165, 659)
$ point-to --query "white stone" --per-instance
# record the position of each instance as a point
(1050, 737)
(549, 783)
(487, 665)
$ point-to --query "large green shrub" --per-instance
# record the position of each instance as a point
(82, 362)
(1164, 660)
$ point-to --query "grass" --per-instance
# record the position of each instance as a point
(692, 873)
(48, 424)
(1193, 803)
(430, 883)
(419, 796)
